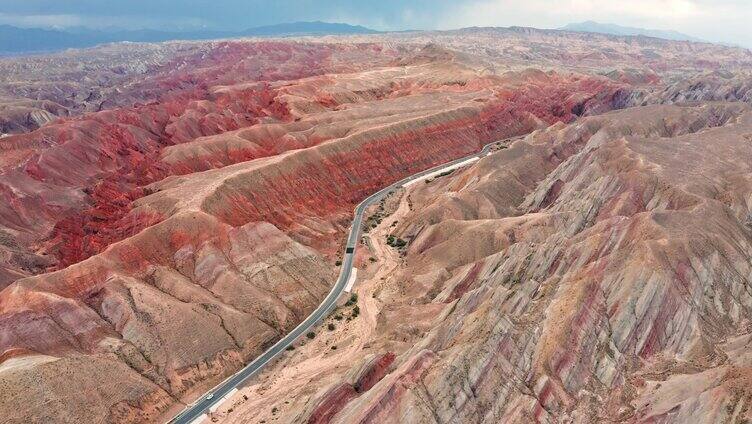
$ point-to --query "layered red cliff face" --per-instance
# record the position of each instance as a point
(69, 185)
(332, 402)
(108, 158)
(163, 234)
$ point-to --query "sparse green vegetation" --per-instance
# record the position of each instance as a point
(375, 219)
(338, 263)
(338, 317)
(330, 327)
(372, 259)
(395, 242)
(291, 347)
(311, 335)
(334, 347)
(352, 300)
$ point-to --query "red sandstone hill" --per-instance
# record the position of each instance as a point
(163, 226)
(611, 271)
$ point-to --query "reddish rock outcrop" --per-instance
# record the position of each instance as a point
(164, 227)
(336, 398)
(373, 372)
(332, 403)
(625, 290)
(104, 159)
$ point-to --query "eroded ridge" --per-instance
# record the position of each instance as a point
(161, 228)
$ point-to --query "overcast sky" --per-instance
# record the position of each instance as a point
(713, 20)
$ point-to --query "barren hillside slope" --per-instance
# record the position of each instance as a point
(171, 210)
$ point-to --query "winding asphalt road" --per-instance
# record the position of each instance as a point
(195, 411)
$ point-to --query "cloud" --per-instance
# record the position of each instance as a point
(715, 20)
(554, 14)
(41, 20)
(99, 22)
(725, 21)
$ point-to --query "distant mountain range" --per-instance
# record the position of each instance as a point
(15, 40)
(28, 40)
(613, 29)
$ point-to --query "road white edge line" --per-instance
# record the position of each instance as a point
(200, 419)
(224, 399)
(351, 281)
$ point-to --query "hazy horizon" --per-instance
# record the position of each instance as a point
(722, 21)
